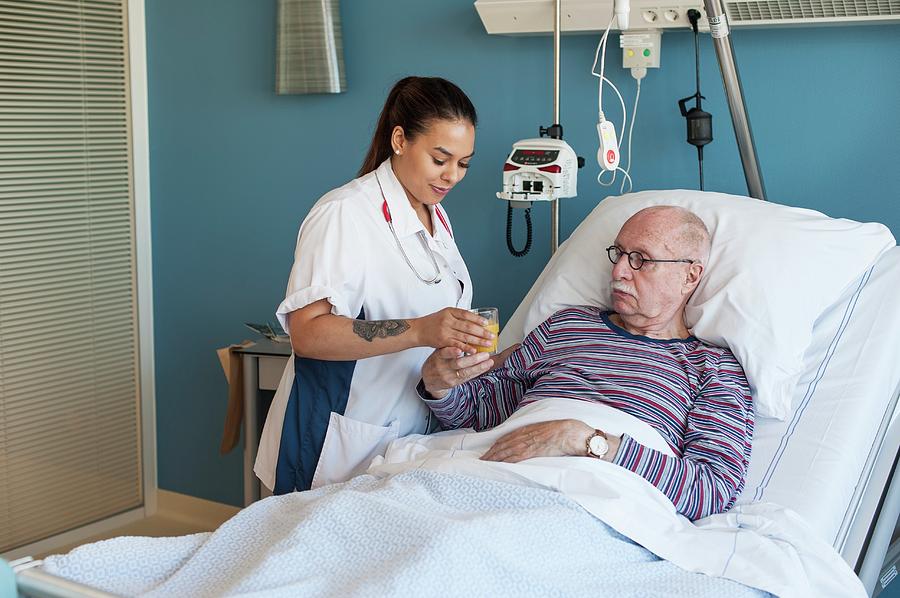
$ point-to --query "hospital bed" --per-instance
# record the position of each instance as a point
(832, 460)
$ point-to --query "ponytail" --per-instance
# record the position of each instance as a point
(412, 104)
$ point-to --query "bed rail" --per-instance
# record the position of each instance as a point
(32, 582)
(878, 540)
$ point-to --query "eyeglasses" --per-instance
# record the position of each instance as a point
(635, 259)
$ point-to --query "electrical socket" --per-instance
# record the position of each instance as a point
(665, 17)
(640, 48)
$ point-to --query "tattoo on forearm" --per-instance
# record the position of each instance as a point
(368, 330)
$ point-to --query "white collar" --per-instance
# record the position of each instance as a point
(406, 221)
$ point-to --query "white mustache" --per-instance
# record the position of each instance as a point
(618, 285)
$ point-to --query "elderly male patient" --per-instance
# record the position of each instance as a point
(639, 358)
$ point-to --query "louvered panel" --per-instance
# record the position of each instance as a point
(65, 430)
(37, 200)
(89, 180)
(113, 376)
(43, 527)
(18, 258)
(117, 328)
(66, 434)
(65, 127)
(105, 248)
(108, 247)
(56, 27)
(19, 275)
(810, 10)
(54, 280)
(68, 326)
(67, 319)
(62, 316)
(69, 419)
(76, 169)
(27, 72)
(39, 99)
(62, 167)
(16, 273)
(63, 228)
(67, 469)
(104, 379)
(24, 418)
(45, 104)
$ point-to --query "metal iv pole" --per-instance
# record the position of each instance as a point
(554, 205)
(718, 28)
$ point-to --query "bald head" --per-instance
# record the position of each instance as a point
(650, 299)
(681, 231)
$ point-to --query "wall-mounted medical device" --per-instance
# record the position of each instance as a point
(523, 17)
(540, 169)
(529, 17)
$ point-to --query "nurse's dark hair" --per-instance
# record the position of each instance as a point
(413, 104)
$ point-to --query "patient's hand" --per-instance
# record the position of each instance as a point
(556, 438)
(449, 367)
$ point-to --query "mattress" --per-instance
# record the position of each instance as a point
(820, 460)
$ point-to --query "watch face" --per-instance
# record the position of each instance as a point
(599, 446)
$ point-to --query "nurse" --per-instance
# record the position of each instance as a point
(377, 284)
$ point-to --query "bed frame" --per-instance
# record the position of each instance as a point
(865, 538)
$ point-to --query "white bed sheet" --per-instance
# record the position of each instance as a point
(818, 461)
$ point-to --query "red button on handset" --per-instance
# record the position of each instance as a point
(610, 156)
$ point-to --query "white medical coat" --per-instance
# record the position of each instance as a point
(346, 254)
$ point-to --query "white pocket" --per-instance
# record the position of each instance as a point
(349, 447)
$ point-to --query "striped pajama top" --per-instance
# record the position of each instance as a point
(694, 394)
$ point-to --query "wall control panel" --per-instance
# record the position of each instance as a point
(640, 48)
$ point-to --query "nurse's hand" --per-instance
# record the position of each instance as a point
(453, 327)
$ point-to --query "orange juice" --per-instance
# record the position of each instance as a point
(495, 328)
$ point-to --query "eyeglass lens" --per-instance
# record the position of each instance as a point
(635, 259)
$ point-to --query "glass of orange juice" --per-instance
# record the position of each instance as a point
(492, 315)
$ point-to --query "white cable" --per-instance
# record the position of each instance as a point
(611, 182)
(621, 101)
(601, 53)
(627, 176)
(637, 97)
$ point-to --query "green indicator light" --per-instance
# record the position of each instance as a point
(647, 52)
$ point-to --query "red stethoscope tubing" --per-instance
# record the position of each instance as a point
(387, 216)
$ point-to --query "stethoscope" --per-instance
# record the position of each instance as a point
(386, 211)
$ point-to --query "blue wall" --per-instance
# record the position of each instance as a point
(234, 168)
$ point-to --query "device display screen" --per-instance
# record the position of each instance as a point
(531, 157)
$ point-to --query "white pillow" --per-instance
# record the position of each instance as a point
(772, 270)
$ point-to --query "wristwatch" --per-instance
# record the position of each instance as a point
(597, 446)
